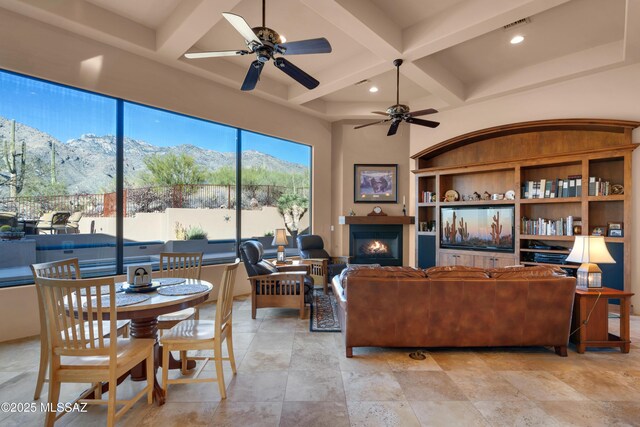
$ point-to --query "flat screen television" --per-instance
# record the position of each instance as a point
(478, 228)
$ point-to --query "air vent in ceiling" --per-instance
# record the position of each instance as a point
(361, 82)
(517, 23)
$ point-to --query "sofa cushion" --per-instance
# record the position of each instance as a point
(522, 272)
(374, 270)
(456, 272)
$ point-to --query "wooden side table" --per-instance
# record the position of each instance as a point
(595, 333)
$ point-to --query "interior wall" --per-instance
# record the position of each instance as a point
(611, 94)
(366, 145)
(36, 49)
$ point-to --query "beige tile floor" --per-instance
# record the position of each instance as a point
(288, 376)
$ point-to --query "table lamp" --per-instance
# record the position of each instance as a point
(280, 240)
(590, 250)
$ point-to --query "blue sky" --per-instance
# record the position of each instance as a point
(66, 114)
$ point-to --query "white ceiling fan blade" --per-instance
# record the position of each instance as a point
(195, 55)
(242, 27)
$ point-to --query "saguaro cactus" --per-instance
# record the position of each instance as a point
(53, 162)
(462, 229)
(450, 229)
(496, 229)
(15, 166)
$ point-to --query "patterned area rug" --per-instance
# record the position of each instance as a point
(324, 312)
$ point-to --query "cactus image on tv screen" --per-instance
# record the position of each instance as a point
(488, 228)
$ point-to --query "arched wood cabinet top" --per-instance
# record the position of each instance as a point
(526, 140)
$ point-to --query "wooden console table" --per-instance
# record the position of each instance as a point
(592, 307)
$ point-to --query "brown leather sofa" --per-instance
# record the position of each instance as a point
(454, 307)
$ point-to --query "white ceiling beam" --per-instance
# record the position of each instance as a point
(370, 27)
(570, 66)
(188, 23)
(631, 47)
(465, 21)
(339, 77)
(86, 19)
(430, 74)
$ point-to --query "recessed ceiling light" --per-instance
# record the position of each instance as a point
(373, 89)
(283, 39)
(517, 39)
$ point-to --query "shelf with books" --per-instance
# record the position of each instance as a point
(522, 156)
(426, 233)
(427, 205)
(606, 176)
(551, 180)
(554, 200)
(544, 237)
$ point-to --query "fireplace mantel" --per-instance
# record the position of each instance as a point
(376, 219)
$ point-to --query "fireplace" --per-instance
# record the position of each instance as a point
(375, 244)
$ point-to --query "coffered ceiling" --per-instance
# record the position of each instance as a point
(455, 52)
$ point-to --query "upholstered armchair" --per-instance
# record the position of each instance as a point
(323, 266)
(275, 286)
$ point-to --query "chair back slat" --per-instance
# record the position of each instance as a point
(224, 305)
(186, 265)
(75, 311)
(63, 269)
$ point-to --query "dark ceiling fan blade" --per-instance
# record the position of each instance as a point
(242, 27)
(196, 55)
(253, 75)
(394, 127)
(423, 112)
(422, 122)
(380, 112)
(320, 45)
(296, 73)
(371, 124)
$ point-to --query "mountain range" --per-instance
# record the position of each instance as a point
(87, 164)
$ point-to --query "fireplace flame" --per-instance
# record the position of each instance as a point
(376, 247)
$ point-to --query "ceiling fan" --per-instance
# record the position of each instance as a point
(399, 112)
(265, 43)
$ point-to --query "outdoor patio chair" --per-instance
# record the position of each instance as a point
(73, 224)
(65, 269)
(9, 218)
(323, 266)
(275, 286)
(204, 335)
(54, 222)
(79, 355)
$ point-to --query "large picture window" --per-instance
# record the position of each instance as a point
(180, 182)
(275, 188)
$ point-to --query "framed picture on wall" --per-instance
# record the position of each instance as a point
(375, 183)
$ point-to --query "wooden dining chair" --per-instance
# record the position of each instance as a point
(204, 335)
(75, 309)
(64, 269)
(185, 265)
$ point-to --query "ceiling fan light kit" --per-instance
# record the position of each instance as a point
(399, 112)
(265, 43)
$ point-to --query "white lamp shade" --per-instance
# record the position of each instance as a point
(590, 249)
(280, 237)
